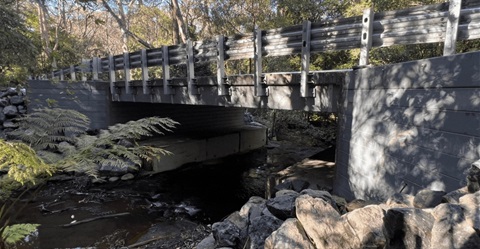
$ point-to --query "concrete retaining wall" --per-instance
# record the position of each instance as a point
(93, 100)
(412, 125)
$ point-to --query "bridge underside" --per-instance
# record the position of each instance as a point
(282, 91)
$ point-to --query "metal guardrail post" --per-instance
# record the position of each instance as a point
(95, 67)
(126, 70)
(307, 89)
(167, 90)
(260, 86)
(83, 69)
(111, 72)
(451, 33)
(223, 87)
(144, 65)
(62, 77)
(73, 77)
(366, 39)
(192, 85)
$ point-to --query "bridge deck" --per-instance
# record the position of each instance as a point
(283, 91)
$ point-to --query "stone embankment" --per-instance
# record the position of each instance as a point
(316, 219)
(12, 105)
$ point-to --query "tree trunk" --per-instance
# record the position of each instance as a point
(179, 23)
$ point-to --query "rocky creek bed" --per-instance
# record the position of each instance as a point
(166, 210)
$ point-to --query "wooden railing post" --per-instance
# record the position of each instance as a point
(223, 89)
(167, 89)
(366, 39)
(192, 85)
(144, 65)
(306, 90)
(260, 86)
(126, 70)
(72, 73)
(451, 33)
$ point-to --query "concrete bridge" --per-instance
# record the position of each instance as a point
(404, 126)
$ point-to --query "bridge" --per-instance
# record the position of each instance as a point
(403, 126)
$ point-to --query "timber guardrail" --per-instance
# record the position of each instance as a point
(445, 22)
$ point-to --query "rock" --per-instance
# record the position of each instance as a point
(226, 233)
(98, 180)
(109, 169)
(326, 196)
(128, 176)
(17, 100)
(427, 198)
(9, 92)
(367, 225)
(408, 228)
(285, 192)
(9, 124)
(296, 185)
(454, 196)
(341, 203)
(253, 208)
(321, 223)
(10, 111)
(3, 102)
(359, 203)
(289, 235)
(66, 148)
(242, 224)
(450, 229)
(2, 116)
(283, 206)
(260, 228)
(22, 109)
(113, 179)
(473, 177)
(207, 243)
(471, 205)
(398, 200)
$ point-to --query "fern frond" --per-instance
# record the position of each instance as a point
(22, 162)
(14, 233)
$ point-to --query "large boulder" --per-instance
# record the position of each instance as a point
(207, 243)
(9, 92)
(473, 177)
(226, 234)
(367, 225)
(471, 205)
(283, 206)
(408, 228)
(322, 223)
(451, 230)
(290, 235)
(260, 228)
(253, 208)
(322, 194)
(427, 198)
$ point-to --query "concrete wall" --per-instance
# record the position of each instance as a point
(93, 100)
(414, 125)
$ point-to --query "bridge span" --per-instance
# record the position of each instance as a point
(404, 126)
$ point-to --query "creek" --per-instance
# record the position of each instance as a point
(174, 206)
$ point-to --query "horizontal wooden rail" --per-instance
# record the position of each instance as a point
(445, 22)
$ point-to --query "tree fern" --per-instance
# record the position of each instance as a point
(46, 128)
(107, 149)
(22, 162)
